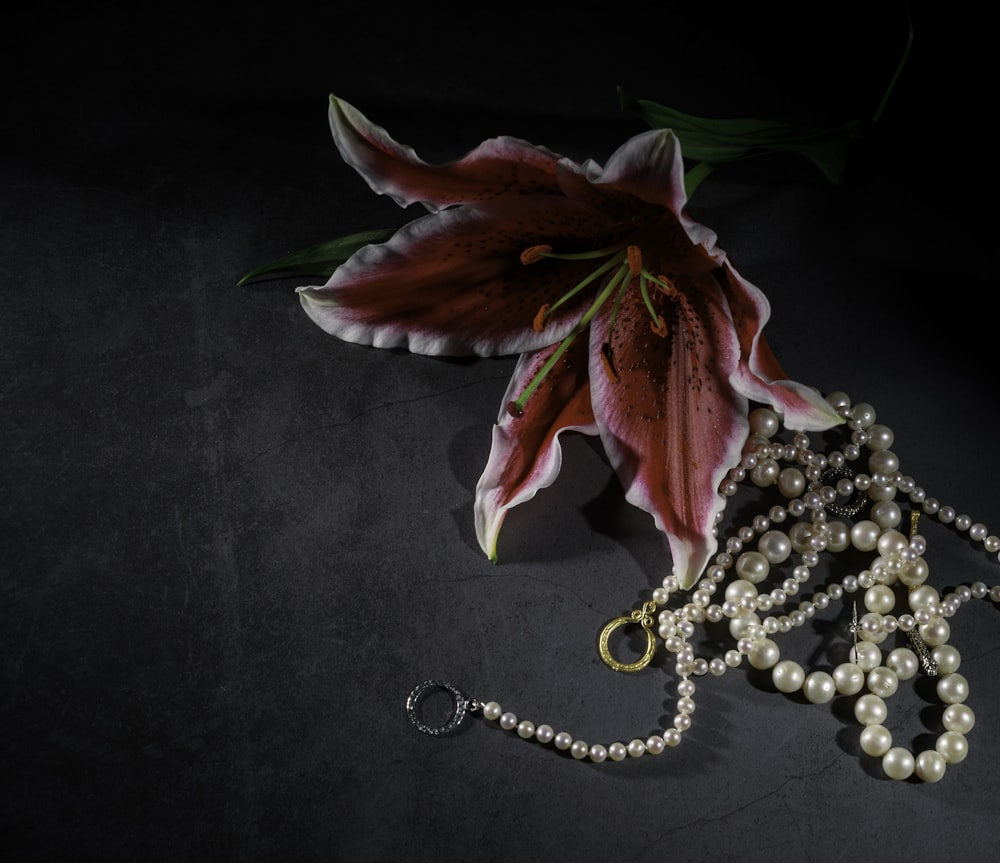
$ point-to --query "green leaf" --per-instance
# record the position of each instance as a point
(717, 141)
(319, 260)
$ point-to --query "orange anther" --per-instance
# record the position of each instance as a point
(533, 254)
(634, 261)
(659, 326)
(540, 318)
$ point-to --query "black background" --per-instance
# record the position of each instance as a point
(231, 544)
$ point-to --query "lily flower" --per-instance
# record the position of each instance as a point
(629, 321)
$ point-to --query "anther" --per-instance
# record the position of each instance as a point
(634, 261)
(541, 317)
(533, 254)
(608, 361)
(659, 326)
(665, 286)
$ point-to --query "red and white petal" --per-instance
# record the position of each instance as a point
(760, 376)
(526, 454)
(672, 425)
(452, 284)
(496, 168)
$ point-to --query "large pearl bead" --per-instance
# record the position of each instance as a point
(819, 687)
(869, 709)
(952, 746)
(764, 654)
(930, 765)
(849, 678)
(958, 717)
(788, 676)
(953, 688)
(898, 763)
(876, 740)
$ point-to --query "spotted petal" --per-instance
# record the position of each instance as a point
(497, 167)
(526, 454)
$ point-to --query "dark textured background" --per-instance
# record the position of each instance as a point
(230, 544)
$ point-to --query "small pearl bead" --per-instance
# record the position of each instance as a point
(617, 752)
(544, 733)
(655, 745)
(636, 748)
(492, 710)
(563, 740)
(525, 729)
(508, 721)
(579, 749)
(598, 753)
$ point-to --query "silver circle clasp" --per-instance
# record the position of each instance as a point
(462, 706)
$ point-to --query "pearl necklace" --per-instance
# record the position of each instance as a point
(732, 593)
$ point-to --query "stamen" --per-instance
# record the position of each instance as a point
(516, 407)
(533, 254)
(541, 317)
(659, 327)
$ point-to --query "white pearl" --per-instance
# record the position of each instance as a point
(849, 678)
(880, 437)
(764, 654)
(617, 751)
(492, 710)
(930, 765)
(525, 729)
(819, 687)
(922, 597)
(869, 709)
(867, 655)
(876, 740)
(898, 763)
(953, 688)
(579, 749)
(904, 662)
(563, 740)
(655, 745)
(764, 422)
(508, 721)
(936, 632)
(671, 736)
(864, 535)
(791, 482)
(544, 733)
(947, 657)
(883, 682)
(738, 589)
(636, 748)
(775, 546)
(752, 566)
(598, 753)
(880, 599)
(952, 746)
(886, 513)
(958, 717)
(788, 676)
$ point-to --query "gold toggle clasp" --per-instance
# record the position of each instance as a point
(644, 617)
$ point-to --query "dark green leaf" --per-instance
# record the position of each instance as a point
(319, 260)
(729, 140)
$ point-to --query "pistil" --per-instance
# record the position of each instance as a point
(628, 259)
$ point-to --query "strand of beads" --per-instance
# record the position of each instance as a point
(815, 486)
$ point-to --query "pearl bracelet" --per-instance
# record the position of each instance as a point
(829, 508)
